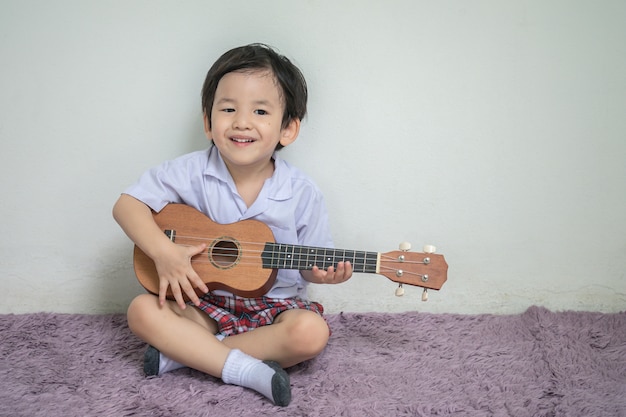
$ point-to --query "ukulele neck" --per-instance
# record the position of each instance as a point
(283, 256)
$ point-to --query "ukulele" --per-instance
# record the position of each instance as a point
(243, 257)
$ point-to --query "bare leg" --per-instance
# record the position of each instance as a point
(295, 336)
(186, 336)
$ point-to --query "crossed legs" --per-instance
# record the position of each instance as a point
(188, 336)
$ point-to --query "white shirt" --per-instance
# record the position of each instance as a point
(289, 203)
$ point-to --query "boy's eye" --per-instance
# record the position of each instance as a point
(260, 112)
(228, 110)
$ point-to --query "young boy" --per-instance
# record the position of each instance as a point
(253, 101)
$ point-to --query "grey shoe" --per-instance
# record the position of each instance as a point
(151, 359)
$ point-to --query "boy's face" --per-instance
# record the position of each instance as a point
(246, 120)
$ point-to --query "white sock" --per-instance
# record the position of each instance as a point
(167, 365)
(267, 378)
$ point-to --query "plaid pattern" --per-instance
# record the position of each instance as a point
(237, 315)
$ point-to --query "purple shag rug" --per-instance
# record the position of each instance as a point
(538, 363)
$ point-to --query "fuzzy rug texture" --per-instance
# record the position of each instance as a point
(539, 363)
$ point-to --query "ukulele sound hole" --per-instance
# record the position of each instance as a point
(224, 253)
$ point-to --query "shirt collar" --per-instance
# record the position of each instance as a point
(279, 184)
(216, 167)
(277, 187)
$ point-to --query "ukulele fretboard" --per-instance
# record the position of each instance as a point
(282, 256)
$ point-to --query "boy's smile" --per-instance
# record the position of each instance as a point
(246, 121)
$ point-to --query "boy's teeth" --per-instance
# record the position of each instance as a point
(242, 140)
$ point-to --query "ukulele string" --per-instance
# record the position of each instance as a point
(385, 260)
(390, 259)
(211, 239)
(389, 269)
(223, 249)
(232, 254)
(244, 257)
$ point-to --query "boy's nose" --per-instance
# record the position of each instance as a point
(241, 122)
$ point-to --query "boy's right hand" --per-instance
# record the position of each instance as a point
(172, 261)
(175, 272)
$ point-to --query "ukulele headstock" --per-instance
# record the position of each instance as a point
(422, 269)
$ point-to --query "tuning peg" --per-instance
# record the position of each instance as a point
(405, 246)
(399, 291)
(425, 294)
(429, 249)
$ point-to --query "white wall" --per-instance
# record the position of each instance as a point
(492, 129)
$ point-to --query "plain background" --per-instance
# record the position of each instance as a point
(494, 130)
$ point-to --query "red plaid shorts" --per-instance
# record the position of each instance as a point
(237, 315)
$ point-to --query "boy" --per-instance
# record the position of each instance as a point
(253, 100)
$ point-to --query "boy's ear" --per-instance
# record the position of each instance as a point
(207, 128)
(290, 133)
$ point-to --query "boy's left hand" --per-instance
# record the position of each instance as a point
(332, 275)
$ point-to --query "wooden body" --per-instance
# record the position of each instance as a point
(243, 275)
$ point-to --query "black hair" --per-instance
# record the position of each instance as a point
(258, 56)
